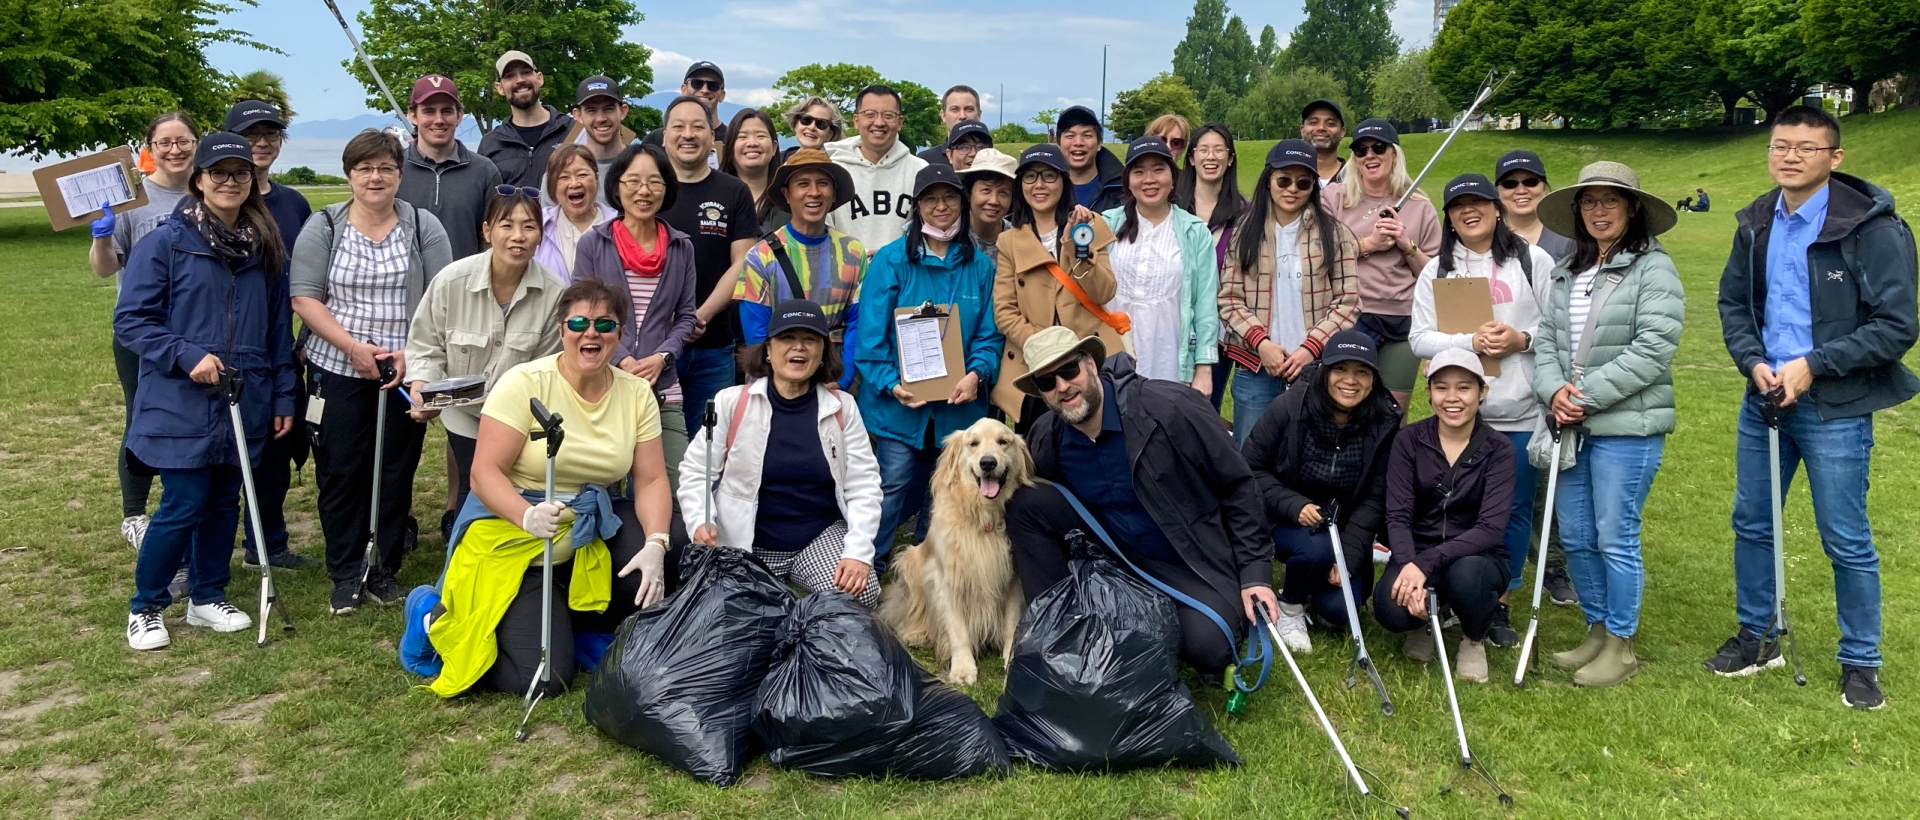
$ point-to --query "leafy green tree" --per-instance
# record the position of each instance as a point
(1402, 91)
(86, 74)
(1345, 38)
(1756, 44)
(1860, 42)
(1271, 110)
(919, 115)
(1014, 133)
(1216, 58)
(570, 40)
(1046, 119)
(1266, 53)
(264, 86)
(1164, 94)
(837, 83)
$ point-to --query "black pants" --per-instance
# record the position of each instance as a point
(1470, 585)
(343, 472)
(1038, 520)
(518, 635)
(1308, 559)
(463, 467)
(134, 489)
(273, 478)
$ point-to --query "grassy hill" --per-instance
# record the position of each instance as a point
(324, 724)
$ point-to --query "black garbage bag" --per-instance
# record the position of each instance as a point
(1093, 683)
(679, 680)
(845, 699)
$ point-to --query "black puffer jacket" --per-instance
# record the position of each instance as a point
(1187, 473)
(1274, 448)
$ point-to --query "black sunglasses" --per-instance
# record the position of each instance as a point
(1376, 148)
(579, 324)
(513, 190)
(811, 121)
(1301, 184)
(699, 84)
(1511, 183)
(1049, 381)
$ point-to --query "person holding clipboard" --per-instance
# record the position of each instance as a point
(933, 272)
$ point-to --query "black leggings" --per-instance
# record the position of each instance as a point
(463, 448)
(134, 489)
(1038, 520)
(1471, 585)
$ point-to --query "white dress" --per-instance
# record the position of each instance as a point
(1149, 272)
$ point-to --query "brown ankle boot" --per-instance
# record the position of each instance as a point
(1614, 665)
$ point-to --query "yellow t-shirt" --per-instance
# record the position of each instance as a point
(599, 437)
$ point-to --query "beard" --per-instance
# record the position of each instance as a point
(1089, 404)
(531, 103)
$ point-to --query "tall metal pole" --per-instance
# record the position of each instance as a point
(1000, 102)
(1103, 87)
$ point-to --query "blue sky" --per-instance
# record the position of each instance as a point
(1046, 54)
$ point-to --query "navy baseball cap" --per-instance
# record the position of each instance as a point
(1293, 153)
(1350, 346)
(1078, 115)
(248, 113)
(969, 128)
(221, 145)
(1328, 105)
(936, 174)
(1466, 185)
(1143, 147)
(798, 314)
(703, 65)
(1045, 153)
(598, 85)
(1519, 159)
(1375, 129)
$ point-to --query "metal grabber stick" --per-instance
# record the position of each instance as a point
(1453, 699)
(379, 456)
(1540, 562)
(708, 420)
(550, 430)
(1353, 771)
(1361, 660)
(1771, 410)
(398, 112)
(231, 384)
(1488, 87)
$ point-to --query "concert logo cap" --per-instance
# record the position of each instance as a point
(598, 85)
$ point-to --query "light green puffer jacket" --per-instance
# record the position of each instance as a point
(1628, 384)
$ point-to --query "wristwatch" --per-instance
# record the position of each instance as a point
(666, 358)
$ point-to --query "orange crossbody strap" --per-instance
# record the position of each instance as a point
(1116, 319)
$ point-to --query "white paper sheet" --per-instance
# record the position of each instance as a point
(920, 354)
(93, 189)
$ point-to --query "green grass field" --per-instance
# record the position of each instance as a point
(325, 724)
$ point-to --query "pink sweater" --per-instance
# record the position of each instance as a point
(1386, 278)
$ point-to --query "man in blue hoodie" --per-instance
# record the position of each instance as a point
(1817, 305)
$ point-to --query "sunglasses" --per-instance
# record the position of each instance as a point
(579, 324)
(699, 84)
(1050, 381)
(1177, 144)
(1299, 184)
(512, 190)
(1378, 149)
(812, 121)
(1511, 183)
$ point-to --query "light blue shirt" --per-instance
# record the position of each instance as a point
(1788, 332)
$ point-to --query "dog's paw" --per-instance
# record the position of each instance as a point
(963, 676)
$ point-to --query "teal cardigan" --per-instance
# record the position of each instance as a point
(1199, 288)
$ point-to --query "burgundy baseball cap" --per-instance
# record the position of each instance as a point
(432, 86)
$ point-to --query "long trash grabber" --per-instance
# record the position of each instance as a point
(1540, 562)
(1361, 660)
(543, 676)
(1453, 699)
(379, 453)
(231, 384)
(1353, 771)
(1771, 410)
(398, 112)
(1489, 87)
(707, 420)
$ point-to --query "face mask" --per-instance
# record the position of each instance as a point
(944, 236)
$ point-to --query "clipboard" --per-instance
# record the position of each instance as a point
(939, 388)
(87, 174)
(1461, 304)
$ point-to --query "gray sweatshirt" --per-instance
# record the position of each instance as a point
(456, 191)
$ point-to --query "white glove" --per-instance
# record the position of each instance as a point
(651, 563)
(542, 520)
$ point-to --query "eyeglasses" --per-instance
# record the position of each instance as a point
(1596, 203)
(1214, 152)
(511, 190)
(1378, 149)
(968, 147)
(1511, 183)
(812, 121)
(170, 145)
(699, 84)
(649, 183)
(1802, 151)
(1042, 177)
(579, 324)
(1050, 381)
(883, 116)
(273, 137)
(1298, 183)
(376, 170)
(220, 177)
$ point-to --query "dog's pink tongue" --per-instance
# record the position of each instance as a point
(990, 487)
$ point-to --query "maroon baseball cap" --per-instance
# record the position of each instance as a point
(431, 86)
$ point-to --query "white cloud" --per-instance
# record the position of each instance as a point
(754, 97)
(861, 19)
(670, 66)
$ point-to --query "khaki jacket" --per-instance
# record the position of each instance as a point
(1028, 299)
(459, 330)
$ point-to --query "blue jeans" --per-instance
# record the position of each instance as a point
(1836, 454)
(905, 473)
(703, 374)
(1526, 480)
(199, 509)
(1599, 505)
(1252, 392)
(1307, 557)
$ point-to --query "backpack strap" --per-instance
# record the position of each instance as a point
(1526, 258)
(779, 248)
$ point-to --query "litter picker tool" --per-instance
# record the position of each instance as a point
(379, 454)
(707, 421)
(1361, 660)
(1771, 410)
(1453, 700)
(1488, 87)
(406, 126)
(550, 430)
(1540, 561)
(1353, 771)
(231, 385)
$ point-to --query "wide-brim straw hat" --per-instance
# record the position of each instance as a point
(1560, 209)
(814, 159)
(1052, 347)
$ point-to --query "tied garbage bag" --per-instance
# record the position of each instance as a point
(1093, 683)
(679, 680)
(844, 699)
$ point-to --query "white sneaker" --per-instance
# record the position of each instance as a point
(1293, 628)
(134, 529)
(219, 616)
(145, 631)
(1381, 555)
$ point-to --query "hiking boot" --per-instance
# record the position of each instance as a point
(1292, 626)
(1470, 663)
(382, 589)
(180, 585)
(1501, 633)
(1745, 654)
(288, 560)
(1419, 646)
(1583, 654)
(1560, 588)
(218, 616)
(146, 632)
(134, 529)
(1612, 667)
(1860, 687)
(346, 598)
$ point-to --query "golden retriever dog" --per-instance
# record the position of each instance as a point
(958, 590)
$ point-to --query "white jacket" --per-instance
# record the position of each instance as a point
(856, 474)
(1517, 303)
(882, 193)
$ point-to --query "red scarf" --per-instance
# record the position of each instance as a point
(636, 258)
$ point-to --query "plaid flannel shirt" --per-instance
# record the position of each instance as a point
(1329, 298)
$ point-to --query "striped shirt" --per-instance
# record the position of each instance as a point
(367, 294)
(641, 290)
(1579, 304)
